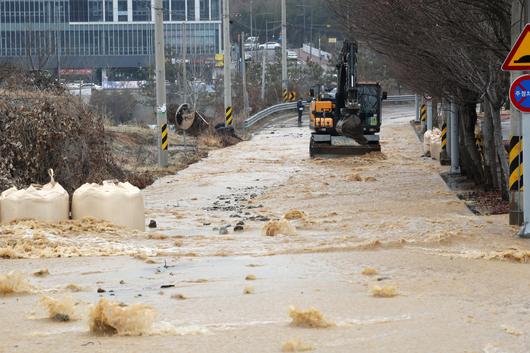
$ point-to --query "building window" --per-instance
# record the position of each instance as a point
(142, 10)
(191, 10)
(165, 6)
(178, 10)
(79, 10)
(109, 11)
(216, 11)
(122, 5)
(205, 10)
(95, 10)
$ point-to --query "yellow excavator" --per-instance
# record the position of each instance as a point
(347, 122)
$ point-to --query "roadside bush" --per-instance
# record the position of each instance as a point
(118, 105)
(44, 130)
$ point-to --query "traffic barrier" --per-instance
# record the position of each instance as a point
(516, 164)
(47, 203)
(119, 203)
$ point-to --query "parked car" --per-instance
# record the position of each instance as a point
(292, 55)
(270, 45)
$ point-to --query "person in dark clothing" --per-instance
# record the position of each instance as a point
(300, 109)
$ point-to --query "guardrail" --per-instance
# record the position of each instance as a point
(292, 106)
(268, 112)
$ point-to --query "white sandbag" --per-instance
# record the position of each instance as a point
(427, 142)
(119, 203)
(436, 147)
(47, 203)
(436, 143)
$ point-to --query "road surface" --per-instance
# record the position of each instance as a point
(461, 280)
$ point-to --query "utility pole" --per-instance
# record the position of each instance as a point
(184, 65)
(454, 140)
(251, 20)
(417, 104)
(285, 79)
(229, 118)
(263, 72)
(244, 77)
(161, 114)
(520, 16)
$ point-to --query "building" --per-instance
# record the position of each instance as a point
(104, 35)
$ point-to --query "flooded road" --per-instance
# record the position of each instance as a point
(218, 283)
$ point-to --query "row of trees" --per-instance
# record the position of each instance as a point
(451, 49)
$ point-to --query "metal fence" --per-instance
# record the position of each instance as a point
(284, 107)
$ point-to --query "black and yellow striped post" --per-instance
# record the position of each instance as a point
(285, 95)
(423, 113)
(444, 137)
(229, 117)
(444, 155)
(165, 142)
(516, 164)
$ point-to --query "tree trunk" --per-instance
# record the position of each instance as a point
(490, 151)
(501, 153)
(473, 165)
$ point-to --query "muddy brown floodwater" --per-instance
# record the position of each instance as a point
(376, 245)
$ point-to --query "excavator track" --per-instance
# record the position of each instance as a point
(326, 148)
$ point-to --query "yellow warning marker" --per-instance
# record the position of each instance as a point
(229, 116)
(165, 142)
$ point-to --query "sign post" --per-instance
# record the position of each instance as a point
(518, 60)
(520, 98)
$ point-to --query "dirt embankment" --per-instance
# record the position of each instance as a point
(43, 126)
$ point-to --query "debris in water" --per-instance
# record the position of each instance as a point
(369, 271)
(296, 346)
(179, 296)
(250, 278)
(101, 290)
(274, 228)
(294, 214)
(74, 288)
(165, 286)
(384, 292)
(59, 309)
(157, 236)
(514, 255)
(239, 228)
(248, 290)
(370, 179)
(152, 224)
(354, 177)
(111, 318)
(197, 281)
(9, 253)
(43, 272)
(311, 318)
(511, 331)
(14, 283)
